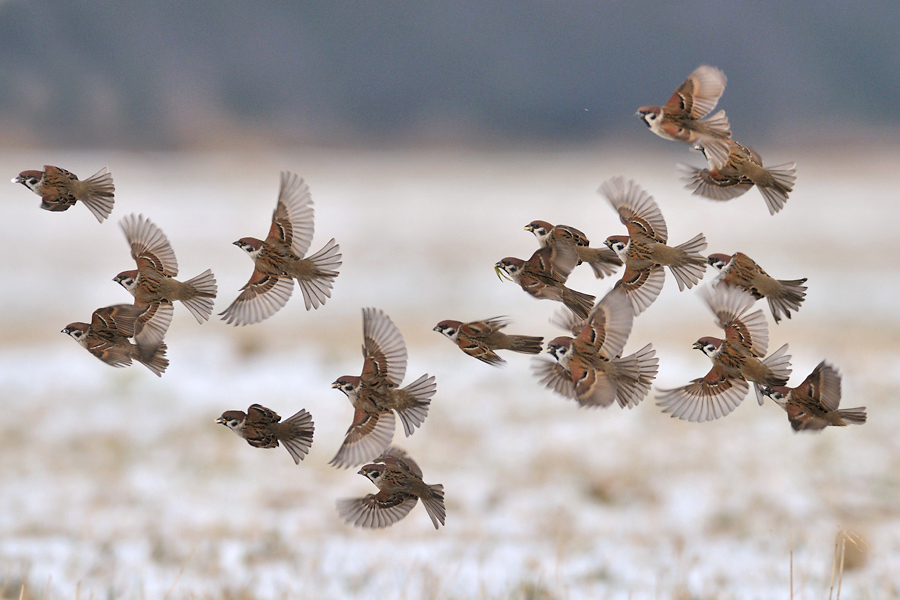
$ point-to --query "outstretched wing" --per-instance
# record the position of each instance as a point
(149, 245)
(260, 298)
(637, 209)
(384, 351)
(293, 219)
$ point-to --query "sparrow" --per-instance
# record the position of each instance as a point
(739, 270)
(813, 405)
(263, 428)
(736, 360)
(106, 337)
(589, 367)
(481, 339)
(59, 189)
(544, 276)
(644, 250)
(602, 260)
(376, 395)
(743, 169)
(279, 259)
(152, 282)
(399, 482)
(682, 117)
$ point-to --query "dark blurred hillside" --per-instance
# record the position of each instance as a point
(184, 73)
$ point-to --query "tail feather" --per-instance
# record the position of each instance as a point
(154, 360)
(433, 501)
(525, 344)
(579, 302)
(776, 192)
(296, 433)
(693, 267)
(98, 194)
(853, 416)
(793, 293)
(327, 260)
(779, 363)
(416, 402)
(636, 373)
(201, 305)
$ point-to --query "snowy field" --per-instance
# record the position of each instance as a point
(117, 484)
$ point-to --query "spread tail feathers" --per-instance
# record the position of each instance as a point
(98, 194)
(418, 397)
(693, 264)
(201, 305)
(316, 290)
(776, 192)
(296, 433)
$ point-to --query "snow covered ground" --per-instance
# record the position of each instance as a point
(117, 484)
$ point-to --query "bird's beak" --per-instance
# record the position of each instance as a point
(529, 228)
(501, 273)
(220, 421)
(697, 346)
(16, 180)
(335, 385)
(237, 243)
(360, 472)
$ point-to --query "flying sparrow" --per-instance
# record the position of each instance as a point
(481, 339)
(783, 295)
(261, 428)
(59, 189)
(743, 170)
(588, 367)
(399, 482)
(152, 282)
(644, 249)
(106, 337)
(376, 395)
(813, 405)
(279, 259)
(682, 117)
(736, 361)
(544, 275)
(602, 260)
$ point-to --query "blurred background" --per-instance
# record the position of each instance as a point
(430, 134)
(189, 74)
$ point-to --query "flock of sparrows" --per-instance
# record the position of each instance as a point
(586, 366)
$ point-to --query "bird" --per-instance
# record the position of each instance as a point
(376, 395)
(59, 189)
(544, 276)
(107, 338)
(280, 258)
(481, 339)
(736, 361)
(783, 295)
(153, 281)
(813, 405)
(263, 428)
(743, 169)
(589, 367)
(603, 261)
(400, 485)
(644, 250)
(682, 117)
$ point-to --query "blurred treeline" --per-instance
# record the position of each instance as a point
(187, 73)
